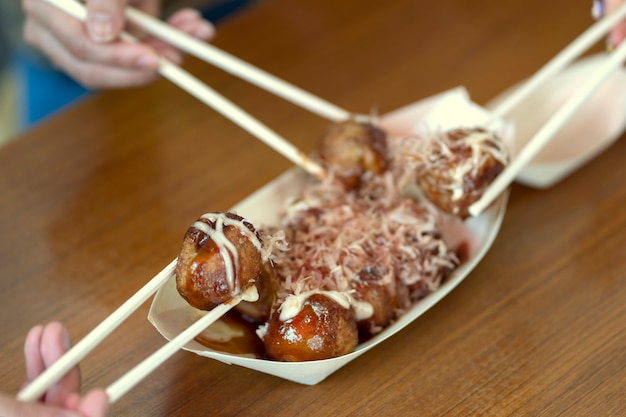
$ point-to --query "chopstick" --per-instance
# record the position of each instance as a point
(61, 367)
(125, 383)
(233, 65)
(565, 112)
(213, 99)
(583, 42)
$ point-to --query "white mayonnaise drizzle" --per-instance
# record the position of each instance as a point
(480, 142)
(293, 303)
(362, 310)
(228, 251)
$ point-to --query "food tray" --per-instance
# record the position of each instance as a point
(170, 314)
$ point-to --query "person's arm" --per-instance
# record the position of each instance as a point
(91, 53)
(45, 345)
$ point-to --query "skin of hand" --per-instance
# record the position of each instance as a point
(618, 33)
(91, 53)
(45, 345)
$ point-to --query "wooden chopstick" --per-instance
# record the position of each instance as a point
(236, 66)
(126, 382)
(560, 61)
(565, 112)
(210, 97)
(61, 367)
(213, 99)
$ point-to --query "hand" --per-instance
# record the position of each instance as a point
(617, 35)
(91, 52)
(45, 345)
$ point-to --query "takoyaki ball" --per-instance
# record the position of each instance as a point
(267, 284)
(322, 329)
(351, 148)
(460, 164)
(375, 303)
(219, 259)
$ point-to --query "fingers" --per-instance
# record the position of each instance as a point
(55, 341)
(191, 22)
(44, 346)
(105, 19)
(10, 407)
(618, 33)
(94, 404)
(34, 362)
(103, 66)
(92, 53)
(94, 65)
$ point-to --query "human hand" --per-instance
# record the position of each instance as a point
(45, 345)
(91, 53)
(603, 7)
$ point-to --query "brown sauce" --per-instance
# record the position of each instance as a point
(233, 334)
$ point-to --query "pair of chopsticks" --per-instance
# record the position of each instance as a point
(236, 67)
(565, 112)
(125, 383)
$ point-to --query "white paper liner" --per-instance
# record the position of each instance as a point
(170, 314)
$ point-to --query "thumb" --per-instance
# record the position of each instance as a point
(105, 19)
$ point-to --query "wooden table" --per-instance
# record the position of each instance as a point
(95, 201)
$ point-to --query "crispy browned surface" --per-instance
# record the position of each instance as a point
(352, 148)
(201, 276)
(94, 202)
(437, 180)
(322, 329)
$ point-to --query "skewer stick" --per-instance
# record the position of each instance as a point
(560, 60)
(61, 367)
(236, 66)
(125, 383)
(543, 136)
(214, 100)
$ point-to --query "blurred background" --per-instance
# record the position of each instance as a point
(31, 89)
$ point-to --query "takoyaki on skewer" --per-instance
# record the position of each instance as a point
(220, 257)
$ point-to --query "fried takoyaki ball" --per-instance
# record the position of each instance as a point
(219, 259)
(351, 148)
(375, 302)
(322, 328)
(267, 284)
(459, 165)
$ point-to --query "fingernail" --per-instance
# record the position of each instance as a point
(100, 26)
(147, 61)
